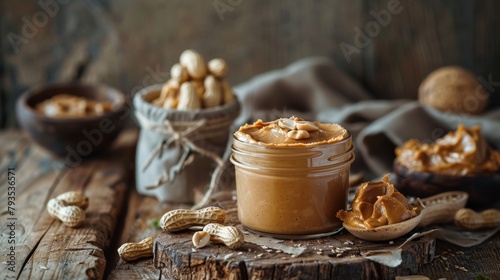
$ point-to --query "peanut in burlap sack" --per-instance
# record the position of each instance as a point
(180, 151)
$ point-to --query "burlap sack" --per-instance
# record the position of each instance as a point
(179, 151)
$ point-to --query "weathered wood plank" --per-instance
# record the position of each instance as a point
(423, 36)
(345, 18)
(34, 178)
(72, 253)
(415, 38)
(3, 94)
(44, 247)
(337, 256)
(138, 225)
(141, 212)
(174, 252)
(93, 33)
(19, 152)
(453, 262)
(486, 54)
(3, 86)
(29, 226)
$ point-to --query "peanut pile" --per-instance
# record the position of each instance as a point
(214, 231)
(194, 84)
(212, 218)
(70, 106)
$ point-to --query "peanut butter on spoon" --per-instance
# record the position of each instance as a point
(377, 204)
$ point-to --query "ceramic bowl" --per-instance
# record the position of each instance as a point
(73, 138)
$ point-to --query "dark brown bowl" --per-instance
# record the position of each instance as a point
(483, 189)
(73, 138)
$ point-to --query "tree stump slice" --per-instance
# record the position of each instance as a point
(338, 256)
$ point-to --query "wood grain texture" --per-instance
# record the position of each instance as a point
(486, 48)
(175, 255)
(80, 251)
(131, 44)
(45, 248)
(423, 36)
(453, 262)
(344, 19)
(141, 212)
(3, 93)
(336, 256)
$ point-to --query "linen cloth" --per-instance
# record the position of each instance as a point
(315, 89)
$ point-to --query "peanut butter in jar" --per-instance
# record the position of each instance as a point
(292, 176)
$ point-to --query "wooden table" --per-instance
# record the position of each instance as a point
(46, 249)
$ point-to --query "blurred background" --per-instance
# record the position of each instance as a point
(388, 46)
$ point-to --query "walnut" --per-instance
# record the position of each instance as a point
(453, 89)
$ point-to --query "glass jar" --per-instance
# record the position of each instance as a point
(292, 191)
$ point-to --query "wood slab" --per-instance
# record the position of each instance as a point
(45, 248)
(338, 256)
(141, 212)
(117, 214)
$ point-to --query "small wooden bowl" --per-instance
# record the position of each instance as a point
(483, 189)
(73, 138)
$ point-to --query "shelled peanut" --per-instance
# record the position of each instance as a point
(201, 239)
(230, 236)
(195, 84)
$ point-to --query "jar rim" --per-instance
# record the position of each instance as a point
(309, 169)
(307, 153)
(295, 145)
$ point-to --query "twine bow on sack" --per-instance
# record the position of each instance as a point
(187, 132)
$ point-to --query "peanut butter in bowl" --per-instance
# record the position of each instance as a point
(460, 152)
(461, 160)
(292, 176)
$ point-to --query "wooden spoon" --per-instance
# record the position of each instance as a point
(439, 208)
